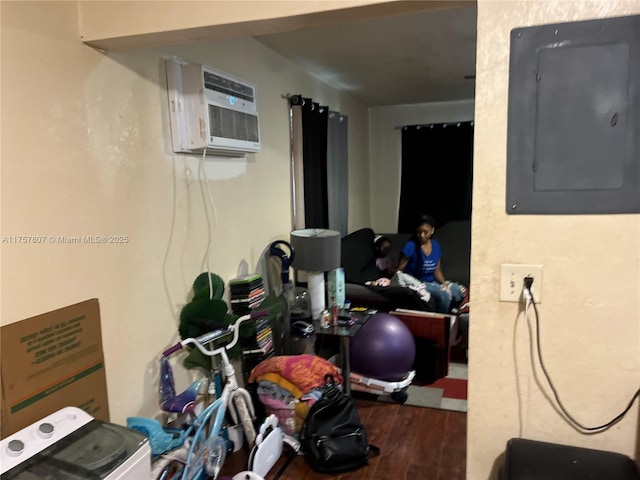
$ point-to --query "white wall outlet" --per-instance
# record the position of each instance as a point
(512, 281)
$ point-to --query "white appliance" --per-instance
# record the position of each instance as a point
(71, 445)
(211, 110)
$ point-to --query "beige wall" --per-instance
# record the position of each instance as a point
(86, 150)
(590, 317)
(386, 152)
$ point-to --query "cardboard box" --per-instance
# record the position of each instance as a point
(51, 361)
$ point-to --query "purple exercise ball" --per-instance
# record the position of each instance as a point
(383, 348)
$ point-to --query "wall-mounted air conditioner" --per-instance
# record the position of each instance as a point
(211, 110)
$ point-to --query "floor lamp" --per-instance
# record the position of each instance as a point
(317, 251)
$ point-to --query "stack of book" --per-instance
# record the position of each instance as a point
(264, 337)
(258, 348)
(247, 292)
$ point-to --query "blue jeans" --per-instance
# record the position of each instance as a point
(444, 298)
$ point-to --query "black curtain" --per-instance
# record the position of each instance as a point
(436, 173)
(314, 150)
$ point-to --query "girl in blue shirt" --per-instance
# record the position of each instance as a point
(420, 258)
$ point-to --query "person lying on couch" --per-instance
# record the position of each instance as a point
(384, 263)
(420, 258)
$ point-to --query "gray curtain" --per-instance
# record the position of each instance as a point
(338, 172)
(297, 168)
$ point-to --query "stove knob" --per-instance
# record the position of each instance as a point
(15, 448)
(45, 430)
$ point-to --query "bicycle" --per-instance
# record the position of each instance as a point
(205, 451)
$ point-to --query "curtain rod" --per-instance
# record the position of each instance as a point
(289, 96)
(431, 125)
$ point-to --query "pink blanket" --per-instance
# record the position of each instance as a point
(305, 371)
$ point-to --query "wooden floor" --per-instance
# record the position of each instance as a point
(416, 443)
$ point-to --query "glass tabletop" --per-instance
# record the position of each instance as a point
(348, 325)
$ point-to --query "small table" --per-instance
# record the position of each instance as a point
(344, 331)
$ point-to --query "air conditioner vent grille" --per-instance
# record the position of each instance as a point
(227, 123)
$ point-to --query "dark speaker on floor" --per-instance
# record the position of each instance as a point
(534, 460)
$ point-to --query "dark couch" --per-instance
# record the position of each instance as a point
(358, 262)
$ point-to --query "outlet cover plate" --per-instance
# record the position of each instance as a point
(512, 281)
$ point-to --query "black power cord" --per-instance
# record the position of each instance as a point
(528, 282)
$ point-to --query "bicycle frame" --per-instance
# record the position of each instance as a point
(197, 454)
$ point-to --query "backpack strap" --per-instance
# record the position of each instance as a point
(290, 459)
(373, 450)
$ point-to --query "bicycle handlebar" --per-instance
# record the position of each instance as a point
(173, 349)
(214, 335)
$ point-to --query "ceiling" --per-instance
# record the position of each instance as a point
(417, 58)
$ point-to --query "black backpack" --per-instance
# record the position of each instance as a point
(332, 437)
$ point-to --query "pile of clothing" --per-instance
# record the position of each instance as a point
(288, 385)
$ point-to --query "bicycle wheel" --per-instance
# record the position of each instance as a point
(245, 419)
(172, 471)
(217, 451)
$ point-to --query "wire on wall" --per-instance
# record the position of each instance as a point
(188, 175)
(171, 232)
(207, 204)
(210, 213)
(571, 420)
